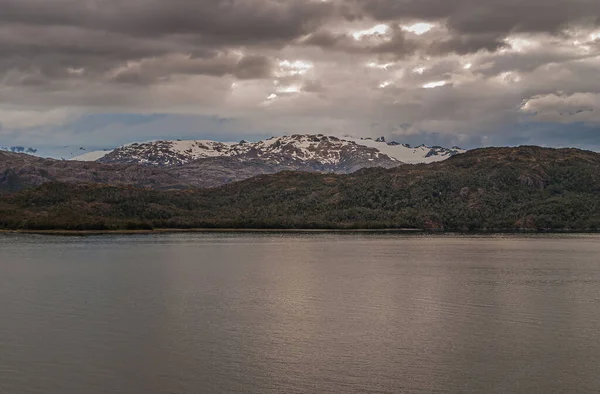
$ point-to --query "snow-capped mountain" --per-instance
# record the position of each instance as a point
(299, 152)
(165, 153)
(406, 153)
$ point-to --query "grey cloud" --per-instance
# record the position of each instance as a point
(578, 107)
(429, 10)
(465, 44)
(49, 36)
(42, 40)
(313, 86)
(483, 25)
(491, 16)
(397, 45)
(50, 51)
(402, 44)
(152, 70)
(494, 64)
(326, 39)
(518, 16)
(240, 21)
(253, 67)
(227, 57)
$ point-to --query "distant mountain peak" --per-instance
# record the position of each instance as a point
(309, 152)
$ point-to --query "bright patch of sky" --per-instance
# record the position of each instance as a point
(380, 66)
(418, 28)
(289, 89)
(510, 77)
(436, 84)
(298, 67)
(75, 71)
(521, 44)
(379, 30)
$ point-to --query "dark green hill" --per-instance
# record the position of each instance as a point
(492, 188)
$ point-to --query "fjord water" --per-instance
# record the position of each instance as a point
(299, 313)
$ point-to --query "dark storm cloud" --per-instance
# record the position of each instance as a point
(48, 39)
(49, 36)
(401, 44)
(490, 16)
(482, 25)
(334, 64)
(156, 69)
(397, 45)
(465, 44)
(130, 28)
(50, 51)
(241, 21)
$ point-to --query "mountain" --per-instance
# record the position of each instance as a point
(492, 188)
(199, 164)
(21, 171)
(299, 152)
(406, 153)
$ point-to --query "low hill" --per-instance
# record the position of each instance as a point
(493, 188)
(22, 171)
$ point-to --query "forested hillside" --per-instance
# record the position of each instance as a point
(492, 188)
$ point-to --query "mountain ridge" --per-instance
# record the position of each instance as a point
(21, 171)
(202, 163)
(522, 188)
(315, 152)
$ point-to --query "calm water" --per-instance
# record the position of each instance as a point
(237, 313)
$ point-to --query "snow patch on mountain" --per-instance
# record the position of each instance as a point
(313, 152)
(407, 154)
(92, 156)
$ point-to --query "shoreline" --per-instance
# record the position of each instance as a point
(290, 231)
(205, 230)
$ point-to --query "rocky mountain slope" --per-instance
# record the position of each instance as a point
(300, 152)
(20, 171)
(492, 188)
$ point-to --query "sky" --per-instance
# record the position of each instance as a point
(101, 73)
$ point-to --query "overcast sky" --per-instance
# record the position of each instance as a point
(99, 73)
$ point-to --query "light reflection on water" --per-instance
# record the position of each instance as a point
(298, 313)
